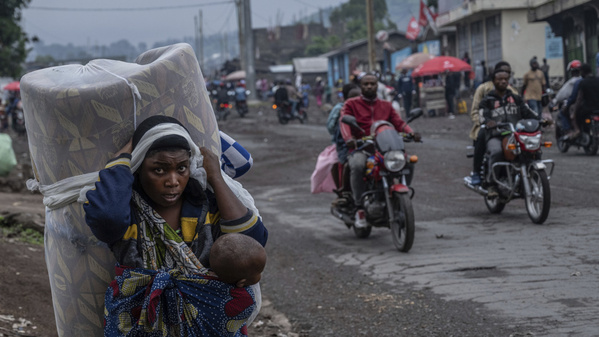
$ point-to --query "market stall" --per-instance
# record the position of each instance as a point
(431, 84)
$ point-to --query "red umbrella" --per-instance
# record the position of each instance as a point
(441, 64)
(13, 86)
(414, 61)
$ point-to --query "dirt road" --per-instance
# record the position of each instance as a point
(326, 282)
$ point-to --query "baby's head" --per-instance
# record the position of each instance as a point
(237, 259)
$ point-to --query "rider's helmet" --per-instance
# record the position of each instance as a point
(574, 65)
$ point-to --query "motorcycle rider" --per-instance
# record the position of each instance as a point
(366, 108)
(476, 135)
(587, 99)
(293, 96)
(349, 90)
(564, 93)
(240, 96)
(500, 105)
(222, 96)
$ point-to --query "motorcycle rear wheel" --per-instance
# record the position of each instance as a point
(539, 201)
(562, 145)
(303, 116)
(403, 228)
(494, 205)
(591, 150)
(282, 118)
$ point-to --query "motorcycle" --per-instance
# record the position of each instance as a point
(521, 174)
(388, 198)
(242, 106)
(284, 112)
(588, 138)
(3, 119)
(18, 120)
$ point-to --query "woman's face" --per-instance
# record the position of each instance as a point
(164, 175)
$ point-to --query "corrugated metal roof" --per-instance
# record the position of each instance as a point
(281, 68)
(306, 65)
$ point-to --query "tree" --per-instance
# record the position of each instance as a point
(353, 14)
(320, 45)
(12, 39)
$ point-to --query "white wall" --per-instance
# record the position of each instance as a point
(522, 40)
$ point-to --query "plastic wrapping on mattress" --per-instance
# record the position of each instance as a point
(77, 117)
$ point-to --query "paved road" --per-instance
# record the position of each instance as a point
(541, 277)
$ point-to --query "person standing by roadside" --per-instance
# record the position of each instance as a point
(545, 70)
(405, 88)
(451, 87)
(318, 91)
(533, 87)
(466, 59)
(478, 74)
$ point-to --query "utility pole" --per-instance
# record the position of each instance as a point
(196, 39)
(201, 24)
(370, 26)
(250, 71)
(241, 35)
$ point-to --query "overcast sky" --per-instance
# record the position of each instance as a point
(84, 22)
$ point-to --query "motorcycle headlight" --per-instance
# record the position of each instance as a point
(531, 142)
(395, 161)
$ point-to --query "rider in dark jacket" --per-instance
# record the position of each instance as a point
(499, 106)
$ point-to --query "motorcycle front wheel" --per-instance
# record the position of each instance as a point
(494, 205)
(403, 227)
(362, 233)
(539, 200)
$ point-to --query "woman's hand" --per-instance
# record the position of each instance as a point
(211, 165)
(128, 148)
(229, 206)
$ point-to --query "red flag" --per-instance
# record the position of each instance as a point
(413, 29)
(423, 20)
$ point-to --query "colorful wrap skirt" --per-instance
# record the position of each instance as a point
(143, 302)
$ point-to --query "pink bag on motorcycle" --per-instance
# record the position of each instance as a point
(322, 180)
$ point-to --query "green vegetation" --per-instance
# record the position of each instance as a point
(12, 38)
(353, 14)
(321, 45)
(16, 231)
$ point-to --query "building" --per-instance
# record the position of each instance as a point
(353, 57)
(281, 44)
(310, 68)
(575, 21)
(493, 30)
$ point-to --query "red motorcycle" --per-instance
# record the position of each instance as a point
(388, 198)
(520, 174)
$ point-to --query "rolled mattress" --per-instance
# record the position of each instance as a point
(77, 117)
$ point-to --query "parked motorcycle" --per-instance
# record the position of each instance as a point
(284, 113)
(387, 200)
(588, 138)
(521, 173)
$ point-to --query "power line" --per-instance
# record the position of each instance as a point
(307, 4)
(127, 9)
